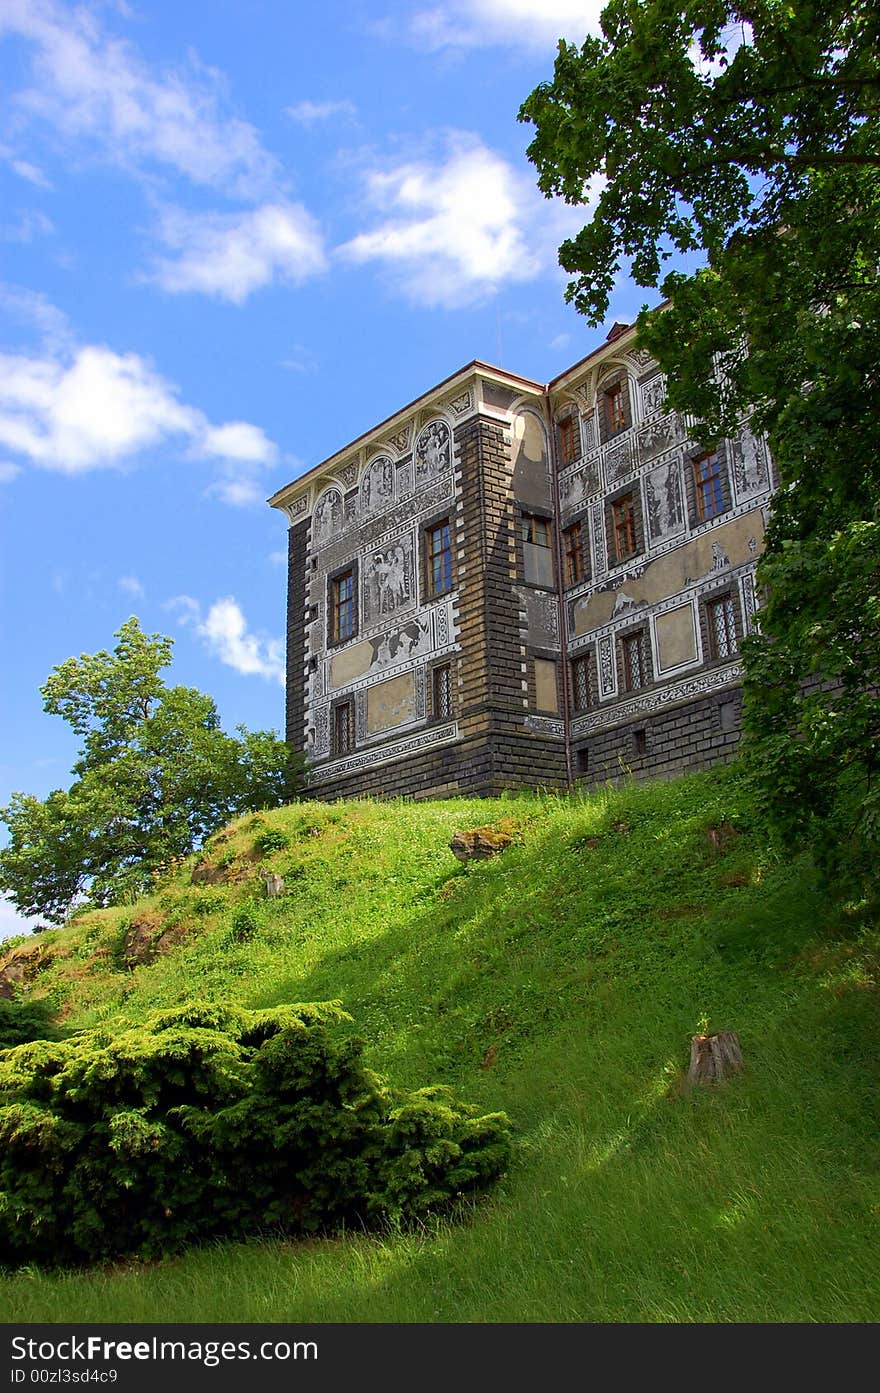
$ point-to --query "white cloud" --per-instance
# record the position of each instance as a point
(277, 558)
(513, 23)
(29, 223)
(8, 471)
(307, 113)
(90, 86)
(87, 407)
(231, 255)
(239, 441)
(225, 634)
(457, 228)
(299, 359)
(32, 308)
(130, 585)
(25, 170)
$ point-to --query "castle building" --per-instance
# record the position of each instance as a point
(510, 584)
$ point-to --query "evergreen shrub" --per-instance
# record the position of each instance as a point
(211, 1121)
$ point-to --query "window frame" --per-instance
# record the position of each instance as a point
(344, 711)
(573, 553)
(569, 441)
(430, 556)
(627, 499)
(639, 638)
(725, 603)
(714, 480)
(441, 675)
(335, 605)
(582, 664)
(532, 525)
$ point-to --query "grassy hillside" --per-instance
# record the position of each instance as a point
(560, 982)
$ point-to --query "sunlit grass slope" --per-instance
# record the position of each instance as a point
(560, 982)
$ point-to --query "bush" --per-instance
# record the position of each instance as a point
(273, 839)
(245, 922)
(23, 1021)
(214, 1121)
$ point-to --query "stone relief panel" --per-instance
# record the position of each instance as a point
(640, 358)
(581, 484)
(327, 520)
(618, 461)
(600, 555)
(404, 478)
(461, 404)
(664, 503)
(432, 452)
(663, 433)
(751, 473)
(401, 644)
(747, 586)
(387, 581)
(348, 474)
(350, 510)
(607, 669)
(377, 486)
(400, 440)
(589, 432)
(653, 396)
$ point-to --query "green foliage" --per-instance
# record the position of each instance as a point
(272, 839)
(154, 777)
(210, 1120)
(751, 134)
(561, 982)
(245, 922)
(22, 1021)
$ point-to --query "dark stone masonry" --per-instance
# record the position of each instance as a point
(509, 584)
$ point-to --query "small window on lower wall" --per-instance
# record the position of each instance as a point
(582, 760)
(721, 627)
(582, 682)
(441, 692)
(634, 661)
(343, 728)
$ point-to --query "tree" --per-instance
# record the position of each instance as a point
(154, 777)
(749, 133)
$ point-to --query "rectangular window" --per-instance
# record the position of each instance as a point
(708, 486)
(569, 443)
(635, 673)
(537, 557)
(722, 627)
(343, 613)
(623, 524)
(440, 558)
(574, 557)
(581, 683)
(615, 415)
(343, 728)
(442, 685)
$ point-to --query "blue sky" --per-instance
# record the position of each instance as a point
(234, 234)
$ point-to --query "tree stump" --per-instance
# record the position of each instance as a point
(714, 1057)
(274, 884)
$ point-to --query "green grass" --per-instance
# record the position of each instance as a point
(560, 982)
